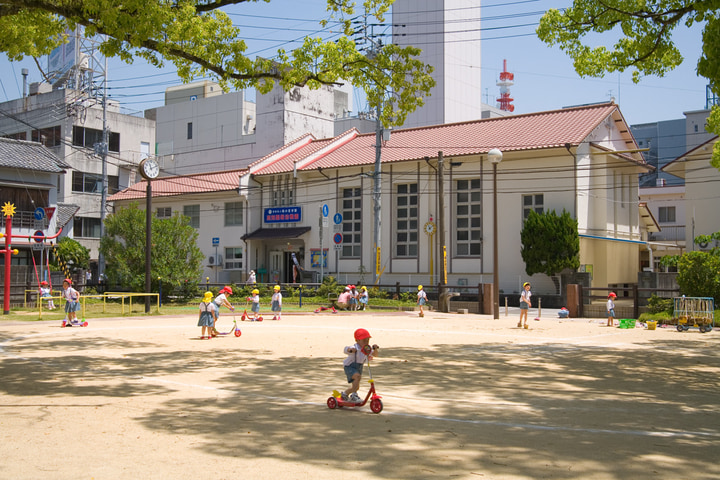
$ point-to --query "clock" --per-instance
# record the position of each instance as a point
(430, 228)
(149, 168)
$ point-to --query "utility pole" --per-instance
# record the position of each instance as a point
(104, 153)
(441, 218)
(377, 195)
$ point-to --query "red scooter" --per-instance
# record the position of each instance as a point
(376, 404)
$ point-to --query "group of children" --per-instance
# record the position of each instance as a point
(71, 296)
(210, 309)
(525, 305)
(353, 299)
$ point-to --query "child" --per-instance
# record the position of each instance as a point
(352, 299)
(72, 305)
(422, 299)
(363, 297)
(611, 309)
(353, 364)
(221, 300)
(524, 304)
(277, 303)
(207, 317)
(45, 292)
(255, 299)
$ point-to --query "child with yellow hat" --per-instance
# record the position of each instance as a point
(255, 299)
(207, 317)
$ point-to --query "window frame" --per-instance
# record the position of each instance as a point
(472, 244)
(533, 206)
(351, 207)
(233, 213)
(407, 226)
(232, 261)
(194, 216)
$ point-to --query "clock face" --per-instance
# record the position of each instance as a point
(149, 168)
(429, 228)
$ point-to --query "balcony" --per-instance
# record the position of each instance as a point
(669, 234)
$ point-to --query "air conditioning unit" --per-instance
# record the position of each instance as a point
(215, 260)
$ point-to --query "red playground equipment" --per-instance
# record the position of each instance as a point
(376, 404)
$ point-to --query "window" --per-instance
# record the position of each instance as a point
(532, 202)
(406, 209)
(92, 183)
(164, 212)
(468, 217)
(86, 227)
(233, 214)
(88, 137)
(17, 136)
(352, 222)
(192, 211)
(233, 258)
(50, 137)
(189, 131)
(666, 214)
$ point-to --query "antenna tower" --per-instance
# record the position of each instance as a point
(505, 82)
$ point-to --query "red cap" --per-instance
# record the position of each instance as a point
(612, 294)
(43, 282)
(361, 333)
(68, 281)
(226, 289)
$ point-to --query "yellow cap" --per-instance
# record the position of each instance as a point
(255, 292)
(419, 287)
(207, 296)
(276, 287)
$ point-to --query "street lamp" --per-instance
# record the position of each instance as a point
(495, 157)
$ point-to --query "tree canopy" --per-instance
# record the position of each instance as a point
(550, 243)
(643, 32)
(198, 37)
(176, 258)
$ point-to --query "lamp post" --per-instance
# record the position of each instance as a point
(495, 157)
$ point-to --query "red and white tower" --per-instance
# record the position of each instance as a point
(505, 82)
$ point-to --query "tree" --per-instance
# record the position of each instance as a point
(176, 259)
(550, 243)
(645, 43)
(70, 253)
(198, 37)
(699, 274)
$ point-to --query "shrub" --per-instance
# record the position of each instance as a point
(657, 304)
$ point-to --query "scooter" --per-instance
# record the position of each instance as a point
(234, 329)
(376, 405)
(74, 323)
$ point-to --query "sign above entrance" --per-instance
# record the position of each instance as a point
(282, 215)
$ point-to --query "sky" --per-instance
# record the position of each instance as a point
(544, 77)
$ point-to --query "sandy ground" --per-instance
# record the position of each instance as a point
(465, 397)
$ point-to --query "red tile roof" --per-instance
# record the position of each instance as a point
(533, 131)
(183, 185)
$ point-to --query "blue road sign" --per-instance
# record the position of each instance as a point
(326, 210)
(216, 241)
(337, 219)
(39, 213)
(337, 238)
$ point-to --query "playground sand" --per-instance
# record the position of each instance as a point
(465, 396)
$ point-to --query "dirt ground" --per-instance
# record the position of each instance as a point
(465, 397)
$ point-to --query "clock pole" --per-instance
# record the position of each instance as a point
(149, 169)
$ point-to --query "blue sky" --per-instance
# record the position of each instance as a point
(544, 77)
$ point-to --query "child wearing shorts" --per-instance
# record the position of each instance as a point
(353, 364)
(207, 316)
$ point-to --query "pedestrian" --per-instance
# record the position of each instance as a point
(255, 308)
(46, 292)
(222, 301)
(208, 316)
(276, 306)
(610, 307)
(251, 278)
(524, 304)
(363, 297)
(72, 302)
(353, 364)
(343, 300)
(421, 299)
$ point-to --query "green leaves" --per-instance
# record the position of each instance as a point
(176, 259)
(642, 31)
(550, 243)
(201, 41)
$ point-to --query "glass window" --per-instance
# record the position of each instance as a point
(233, 214)
(189, 131)
(352, 222)
(92, 183)
(406, 224)
(532, 202)
(89, 137)
(164, 212)
(233, 258)
(86, 227)
(193, 212)
(666, 214)
(50, 137)
(468, 218)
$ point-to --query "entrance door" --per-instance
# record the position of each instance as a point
(276, 267)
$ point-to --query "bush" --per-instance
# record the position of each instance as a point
(657, 304)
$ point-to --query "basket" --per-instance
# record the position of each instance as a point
(627, 323)
(651, 325)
